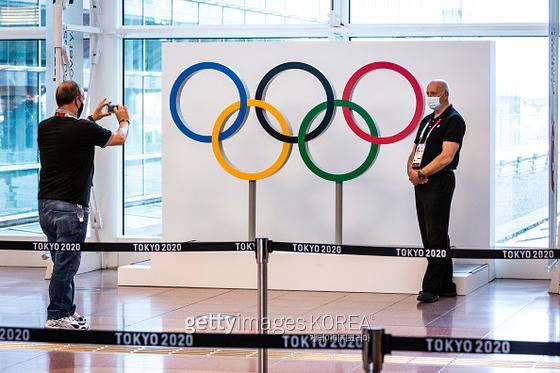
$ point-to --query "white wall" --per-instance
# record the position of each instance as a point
(201, 201)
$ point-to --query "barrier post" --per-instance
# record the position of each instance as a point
(261, 253)
(372, 352)
(252, 209)
(338, 214)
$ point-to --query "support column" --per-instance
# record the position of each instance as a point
(553, 124)
(106, 82)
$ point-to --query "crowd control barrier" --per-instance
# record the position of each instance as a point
(373, 342)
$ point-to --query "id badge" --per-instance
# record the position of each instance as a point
(417, 160)
(80, 214)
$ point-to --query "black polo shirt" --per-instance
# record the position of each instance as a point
(449, 126)
(67, 150)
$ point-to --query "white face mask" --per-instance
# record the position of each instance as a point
(433, 103)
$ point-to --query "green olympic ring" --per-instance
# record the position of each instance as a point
(306, 123)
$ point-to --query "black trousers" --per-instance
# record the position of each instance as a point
(433, 205)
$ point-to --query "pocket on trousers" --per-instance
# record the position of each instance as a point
(67, 223)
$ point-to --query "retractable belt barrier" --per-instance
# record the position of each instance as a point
(471, 346)
(292, 247)
(415, 252)
(180, 340)
(129, 246)
(373, 342)
(390, 343)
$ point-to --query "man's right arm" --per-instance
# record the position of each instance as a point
(119, 136)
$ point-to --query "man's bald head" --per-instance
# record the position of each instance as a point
(67, 92)
(440, 89)
(437, 86)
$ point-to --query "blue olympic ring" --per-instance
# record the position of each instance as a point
(177, 89)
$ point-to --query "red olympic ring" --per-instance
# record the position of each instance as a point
(349, 89)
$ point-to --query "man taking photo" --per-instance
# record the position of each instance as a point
(66, 151)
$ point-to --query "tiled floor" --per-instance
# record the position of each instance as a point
(504, 309)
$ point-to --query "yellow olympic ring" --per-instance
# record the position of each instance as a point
(217, 144)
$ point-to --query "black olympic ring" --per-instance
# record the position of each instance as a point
(261, 92)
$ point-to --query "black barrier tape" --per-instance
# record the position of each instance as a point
(137, 247)
(279, 341)
(414, 252)
(162, 339)
(302, 248)
(471, 346)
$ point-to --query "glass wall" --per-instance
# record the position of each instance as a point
(224, 12)
(448, 11)
(521, 115)
(142, 151)
(521, 112)
(18, 13)
(22, 106)
(521, 148)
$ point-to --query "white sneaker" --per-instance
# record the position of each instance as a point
(65, 323)
(79, 318)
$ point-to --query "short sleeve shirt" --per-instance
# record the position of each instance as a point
(449, 126)
(67, 151)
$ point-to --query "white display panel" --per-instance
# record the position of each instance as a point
(203, 202)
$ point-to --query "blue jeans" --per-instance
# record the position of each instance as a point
(63, 222)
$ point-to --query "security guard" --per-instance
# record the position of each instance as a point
(434, 157)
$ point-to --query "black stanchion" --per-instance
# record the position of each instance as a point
(261, 254)
(372, 352)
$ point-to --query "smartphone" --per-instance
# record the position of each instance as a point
(111, 108)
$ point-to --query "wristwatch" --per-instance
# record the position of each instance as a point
(421, 175)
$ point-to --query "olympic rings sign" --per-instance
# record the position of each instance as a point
(285, 136)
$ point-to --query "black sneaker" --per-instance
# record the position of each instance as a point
(427, 297)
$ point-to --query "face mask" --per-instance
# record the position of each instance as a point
(433, 103)
(80, 109)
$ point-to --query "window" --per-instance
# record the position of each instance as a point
(521, 146)
(17, 13)
(212, 12)
(521, 153)
(142, 152)
(448, 11)
(22, 106)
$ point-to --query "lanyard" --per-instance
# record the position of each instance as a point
(62, 114)
(429, 133)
